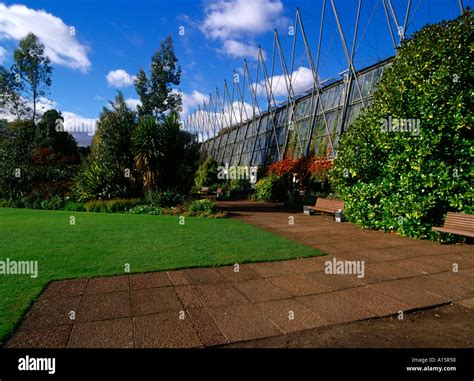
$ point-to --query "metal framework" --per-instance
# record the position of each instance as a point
(235, 129)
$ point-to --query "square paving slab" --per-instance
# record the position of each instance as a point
(117, 333)
(154, 300)
(111, 305)
(243, 322)
(260, 290)
(165, 330)
(149, 280)
(290, 315)
(108, 284)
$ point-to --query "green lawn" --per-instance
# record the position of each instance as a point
(101, 244)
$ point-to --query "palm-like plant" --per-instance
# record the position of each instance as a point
(147, 151)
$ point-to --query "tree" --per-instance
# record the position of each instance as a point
(47, 135)
(114, 133)
(109, 171)
(31, 72)
(16, 145)
(147, 151)
(36, 162)
(206, 174)
(405, 180)
(180, 154)
(164, 154)
(156, 93)
(11, 102)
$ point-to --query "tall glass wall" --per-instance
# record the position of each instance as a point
(311, 125)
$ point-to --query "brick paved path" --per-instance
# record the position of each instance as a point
(215, 306)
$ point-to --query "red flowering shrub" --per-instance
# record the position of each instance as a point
(319, 169)
(281, 167)
(289, 167)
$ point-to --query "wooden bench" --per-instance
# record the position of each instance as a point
(326, 205)
(457, 223)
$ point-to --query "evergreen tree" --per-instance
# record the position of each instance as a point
(156, 93)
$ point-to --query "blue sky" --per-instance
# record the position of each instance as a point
(112, 40)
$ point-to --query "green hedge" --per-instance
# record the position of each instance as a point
(404, 181)
(111, 206)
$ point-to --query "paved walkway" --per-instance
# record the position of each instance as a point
(216, 306)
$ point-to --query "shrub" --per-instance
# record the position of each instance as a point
(203, 207)
(206, 173)
(319, 169)
(147, 209)
(111, 206)
(270, 188)
(52, 203)
(214, 187)
(32, 201)
(239, 188)
(74, 206)
(406, 181)
(4, 203)
(166, 199)
(288, 167)
(97, 182)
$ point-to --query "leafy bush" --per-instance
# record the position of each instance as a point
(166, 199)
(96, 182)
(239, 188)
(319, 169)
(206, 173)
(52, 203)
(270, 188)
(288, 167)
(32, 201)
(4, 203)
(406, 181)
(74, 206)
(147, 209)
(46, 161)
(111, 206)
(203, 207)
(214, 187)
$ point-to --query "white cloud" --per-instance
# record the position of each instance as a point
(42, 105)
(133, 103)
(239, 112)
(235, 48)
(232, 115)
(301, 80)
(120, 78)
(192, 101)
(233, 20)
(3, 54)
(61, 45)
(225, 19)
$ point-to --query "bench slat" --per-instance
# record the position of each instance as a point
(327, 205)
(457, 223)
(466, 233)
